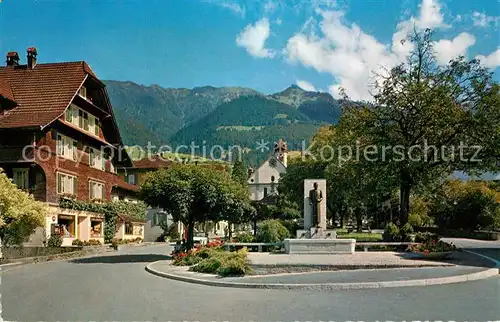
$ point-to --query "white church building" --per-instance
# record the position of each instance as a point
(264, 181)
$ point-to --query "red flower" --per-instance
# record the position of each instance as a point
(426, 251)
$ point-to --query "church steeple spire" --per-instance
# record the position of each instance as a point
(281, 151)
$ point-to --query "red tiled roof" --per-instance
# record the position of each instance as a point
(154, 162)
(42, 93)
(127, 186)
(5, 90)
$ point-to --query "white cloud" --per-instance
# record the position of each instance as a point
(446, 50)
(351, 56)
(253, 39)
(431, 15)
(354, 58)
(234, 7)
(482, 20)
(278, 21)
(491, 61)
(270, 6)
(305, 85)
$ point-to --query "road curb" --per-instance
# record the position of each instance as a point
(330, 286)
(10, 264)
(491, 259)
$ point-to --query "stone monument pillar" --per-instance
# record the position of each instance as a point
(315, 238)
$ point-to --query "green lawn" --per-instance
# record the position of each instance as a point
(360, 237)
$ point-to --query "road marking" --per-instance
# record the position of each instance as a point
(497, 263)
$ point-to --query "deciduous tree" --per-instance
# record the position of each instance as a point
(193, 194)
(20, 214)
(427, 120)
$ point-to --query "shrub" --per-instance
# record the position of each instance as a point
(208, 265)
(405, 232)
(224, 263)
(93, 242)
(77, 242)
(272, 231)
(432, 246)
(292, 226)
(173, 233)
(207, 252)
(425, 237)
(466, 205)
(244, 238)
(233, 267)
(391, 233)
(54, 241)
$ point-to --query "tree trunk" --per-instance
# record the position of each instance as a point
(230, 231)
(404, 197)
(342, 214)
(255, 227)
(359, 221)
(190, 237)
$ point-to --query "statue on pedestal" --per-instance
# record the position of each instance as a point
(315, 198)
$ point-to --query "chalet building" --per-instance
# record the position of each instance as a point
(263, 182)
(59, 139)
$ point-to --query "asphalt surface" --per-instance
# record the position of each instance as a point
(379, 275)
(117, 288)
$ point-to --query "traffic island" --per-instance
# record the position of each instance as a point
(343, 275)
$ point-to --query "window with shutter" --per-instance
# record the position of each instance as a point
(85, 121)
(67, 184)
(91, 157)
(60, 145)
(80, 118)
(83, 92)
(92, 124)
(96, 190)
(20, 178)
(69, 114)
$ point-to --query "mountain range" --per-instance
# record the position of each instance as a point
(225, 116)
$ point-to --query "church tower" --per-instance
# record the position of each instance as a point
(281, 151)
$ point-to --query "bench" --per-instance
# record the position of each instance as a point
(259, 246)
(368, 244)
(201, 240)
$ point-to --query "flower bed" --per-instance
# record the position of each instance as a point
(433, 249)
(212, 259)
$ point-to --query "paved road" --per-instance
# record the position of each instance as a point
(117, 288)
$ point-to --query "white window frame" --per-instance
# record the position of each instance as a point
(82, 116)
(66, 147)
(66, 183)
(83, 92)
(21, 177)
(129, 177)
(112, 167)
(96, 190)
(97, 161)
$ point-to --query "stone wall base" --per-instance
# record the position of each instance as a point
(316, 233)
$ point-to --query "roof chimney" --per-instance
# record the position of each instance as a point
(32, 53)
(12, 58)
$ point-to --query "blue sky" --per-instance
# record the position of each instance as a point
(266, 45)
